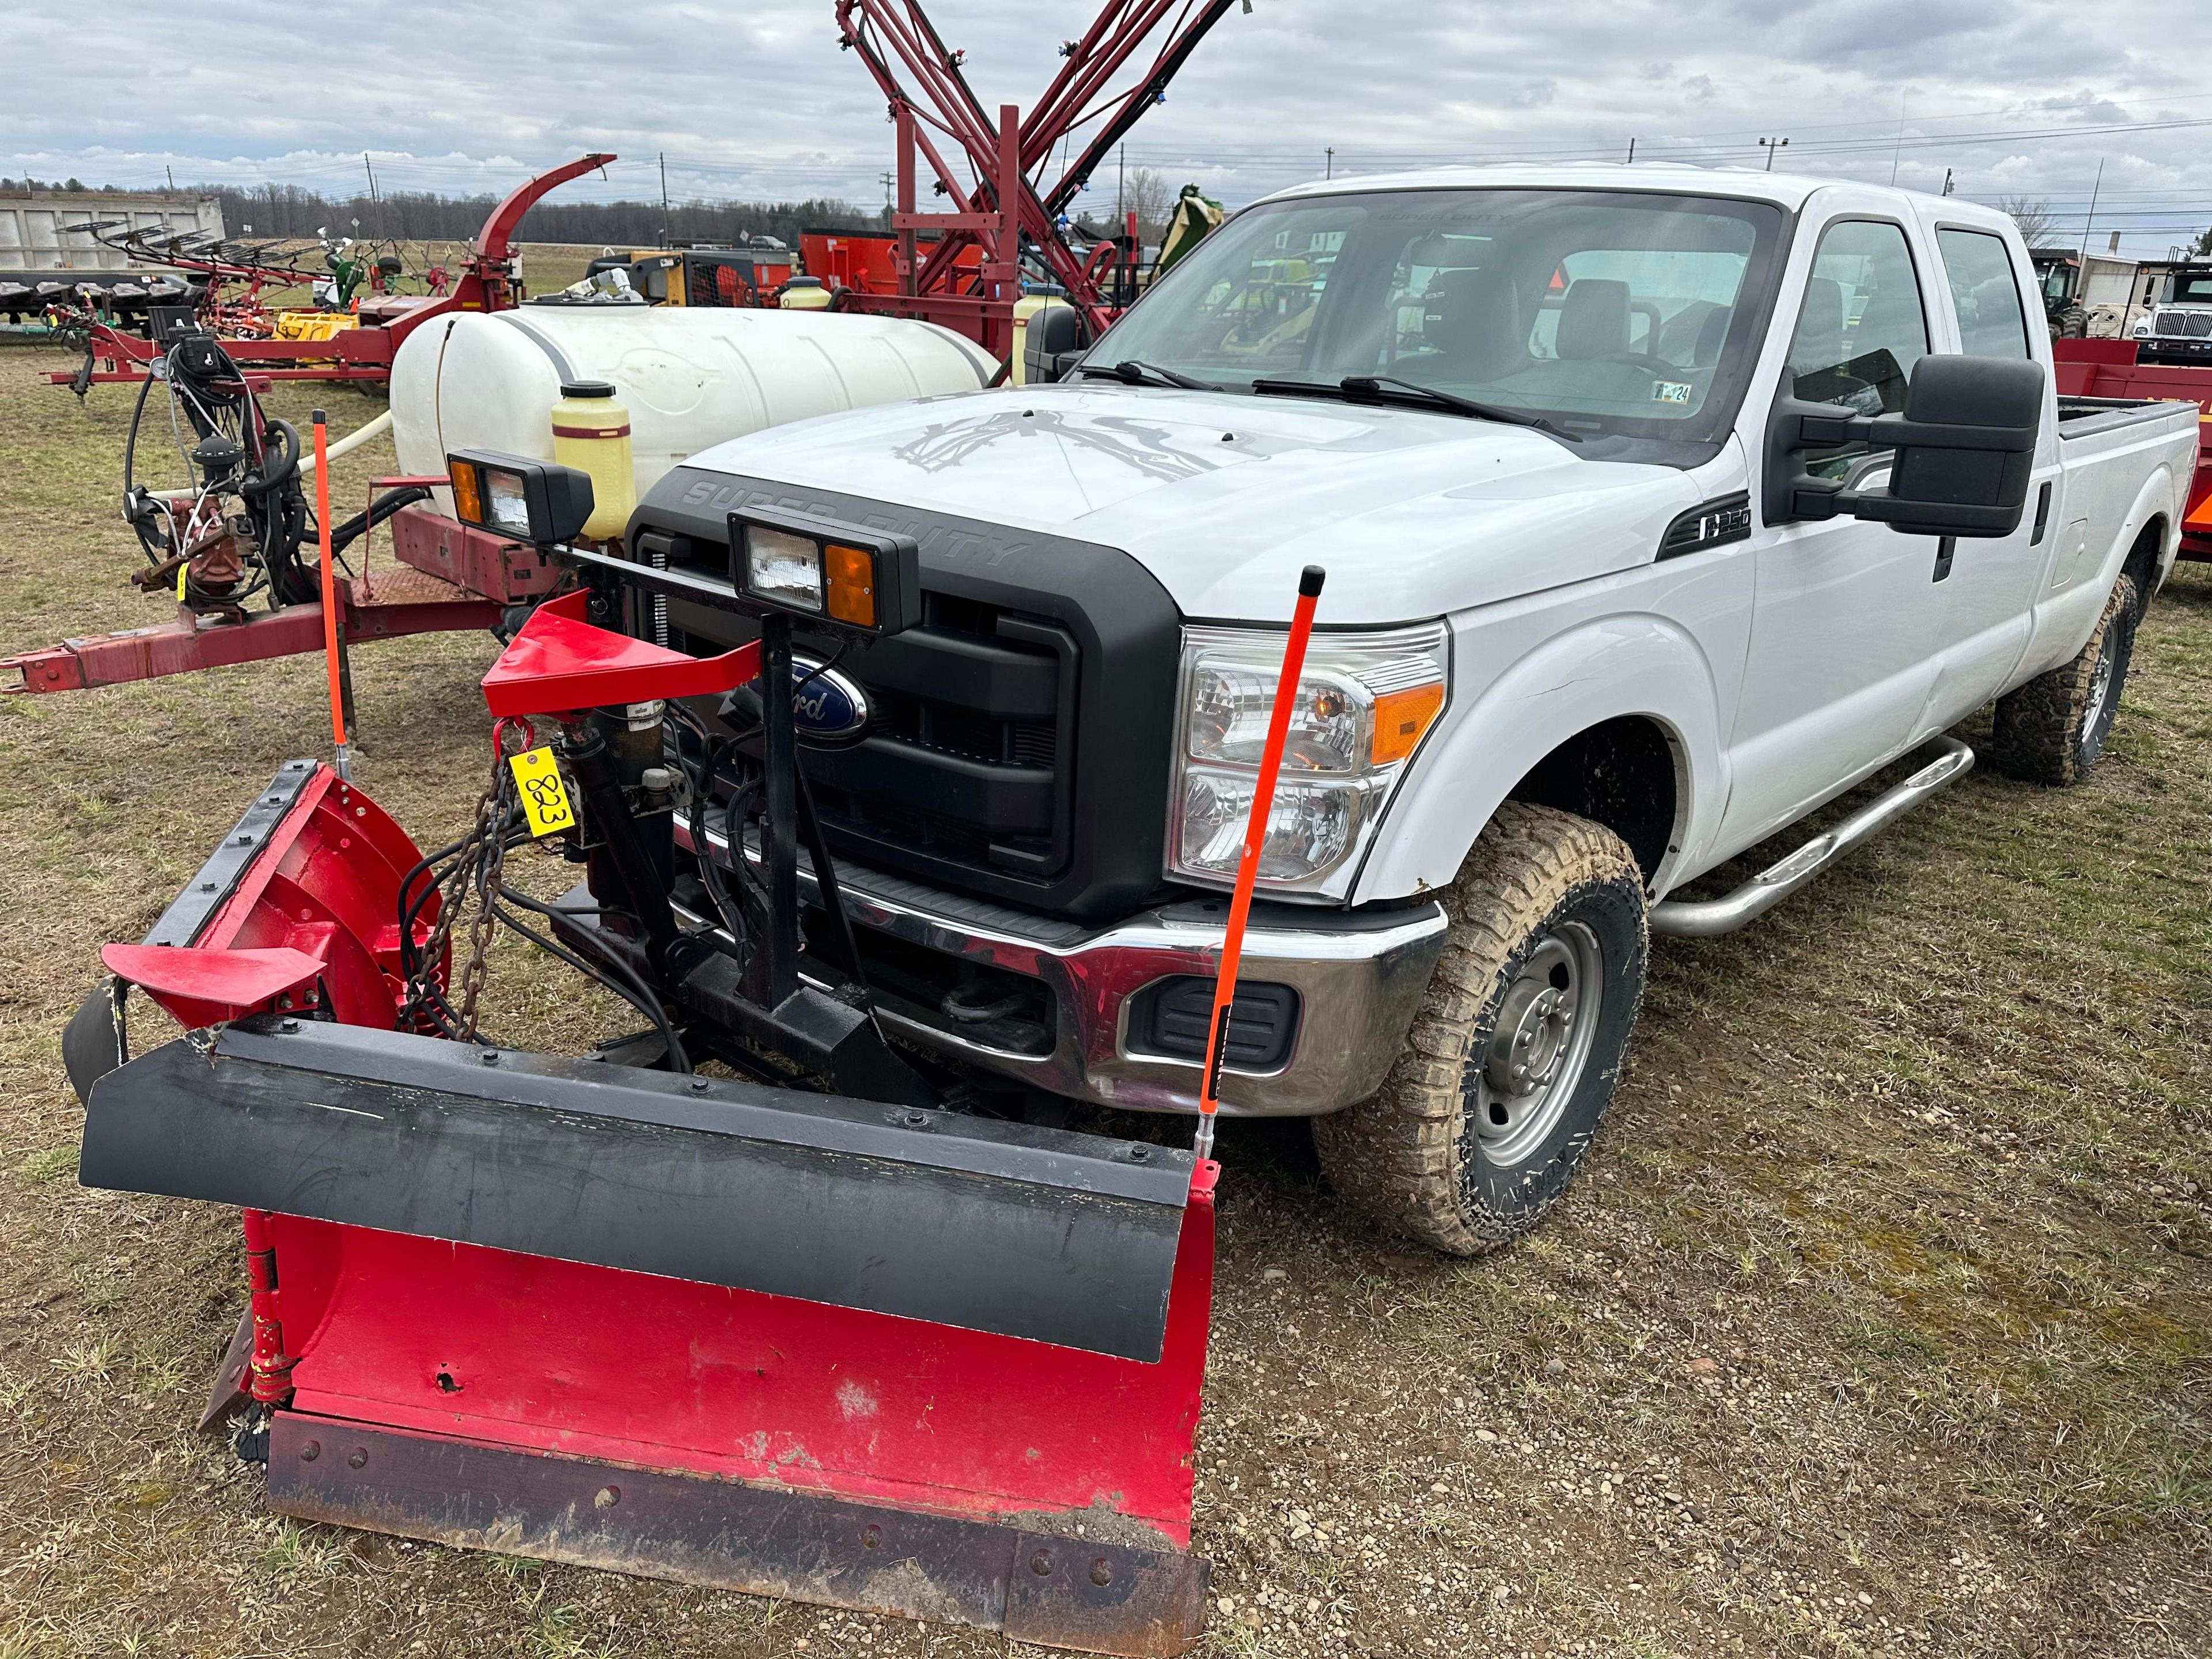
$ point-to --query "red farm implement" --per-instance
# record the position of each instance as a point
(2109, 369)
(808, 1329)
(963, 270)
(488, 282)
(1004, 211)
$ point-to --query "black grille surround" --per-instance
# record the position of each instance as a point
(1036, 653)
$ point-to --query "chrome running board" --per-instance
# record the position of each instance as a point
(1709, 918)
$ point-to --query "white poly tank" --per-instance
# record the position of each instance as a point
(689, 378)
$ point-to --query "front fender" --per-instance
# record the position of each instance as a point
(1631, 664)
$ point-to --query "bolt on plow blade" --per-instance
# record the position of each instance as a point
(1036, 1233)
(877, 1356)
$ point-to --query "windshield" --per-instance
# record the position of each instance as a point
(2191, 287)
(1611, 313)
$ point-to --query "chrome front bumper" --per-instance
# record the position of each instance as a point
(1358, 977)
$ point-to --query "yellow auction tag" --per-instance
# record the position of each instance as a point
(544, 797)
(181, 569)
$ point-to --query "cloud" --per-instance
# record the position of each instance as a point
(467, 95)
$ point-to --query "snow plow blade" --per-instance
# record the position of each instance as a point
(1041, 1234)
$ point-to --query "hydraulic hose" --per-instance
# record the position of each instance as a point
(255, 485)
(381, 509)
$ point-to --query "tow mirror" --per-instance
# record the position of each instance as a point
(1964, 447)
(1053, 333)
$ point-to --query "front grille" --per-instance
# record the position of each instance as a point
(2189, 324)
(973, 720)
(1017, 738)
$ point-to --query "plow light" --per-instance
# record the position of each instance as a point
(841, 576)
(533, 501)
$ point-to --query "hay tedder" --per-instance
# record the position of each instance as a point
(231, 278)
(814, 1326)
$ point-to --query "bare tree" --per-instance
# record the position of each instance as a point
(1146, 193)
(2038, 225)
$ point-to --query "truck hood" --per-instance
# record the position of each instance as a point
(1224, 497)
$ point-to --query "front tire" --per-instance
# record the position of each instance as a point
(1518, 1045)
(2053, 729)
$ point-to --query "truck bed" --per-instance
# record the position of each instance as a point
(2078, 418)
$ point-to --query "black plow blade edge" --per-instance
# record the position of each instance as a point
(1005, 1228)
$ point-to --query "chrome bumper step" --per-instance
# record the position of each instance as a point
(1710, 918)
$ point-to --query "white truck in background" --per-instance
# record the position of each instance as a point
(1660, 506)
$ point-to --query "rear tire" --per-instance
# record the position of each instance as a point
(2051, 729)
(1515, 1052)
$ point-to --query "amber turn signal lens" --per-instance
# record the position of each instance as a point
(468, 492)
(1402, 719)
(852, 575)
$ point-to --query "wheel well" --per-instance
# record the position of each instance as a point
(1621, 774)
(2142, 559)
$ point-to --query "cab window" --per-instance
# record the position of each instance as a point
(1861, 329)
(1991, 322)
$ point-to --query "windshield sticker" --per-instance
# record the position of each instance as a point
(1671, 391)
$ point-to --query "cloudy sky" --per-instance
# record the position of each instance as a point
(2014, 97)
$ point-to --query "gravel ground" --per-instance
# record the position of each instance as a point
(1876, 1325)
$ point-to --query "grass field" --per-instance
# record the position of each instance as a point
(1878, 1323)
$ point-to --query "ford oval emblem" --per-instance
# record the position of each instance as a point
(828, 710)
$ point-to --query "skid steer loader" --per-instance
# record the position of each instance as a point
(800, 1329)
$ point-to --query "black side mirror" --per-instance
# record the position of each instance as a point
(1053, 333)
(1964, 444)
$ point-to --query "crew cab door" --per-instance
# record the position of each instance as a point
(1985, 604)
(1845, 613)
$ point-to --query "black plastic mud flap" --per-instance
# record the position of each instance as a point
(1006, 1228)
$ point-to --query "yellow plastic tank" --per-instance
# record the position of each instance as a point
(591, 433)
(805, 293)
(1024, 308)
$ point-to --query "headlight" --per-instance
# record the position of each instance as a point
(838, 575)
(1364, 702)
(536, 502)
(783, 570)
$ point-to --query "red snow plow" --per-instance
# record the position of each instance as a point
(807, 1327)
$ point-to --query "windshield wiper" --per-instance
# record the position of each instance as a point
(1136, 374)
(1388, 389)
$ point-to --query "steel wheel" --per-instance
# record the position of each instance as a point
(2097, 714)
(1522, 1080)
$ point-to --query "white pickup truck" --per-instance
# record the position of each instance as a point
(1659, 507)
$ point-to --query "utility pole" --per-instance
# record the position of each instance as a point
(1897, 154)
(664, 198)
(1121, 178)
(2082, 276)
(1770, 145)
(1631, 149)
(1328, 169)
(172, 172)
(1946, 181)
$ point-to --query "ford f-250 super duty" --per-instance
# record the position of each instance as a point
(1660, 506)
